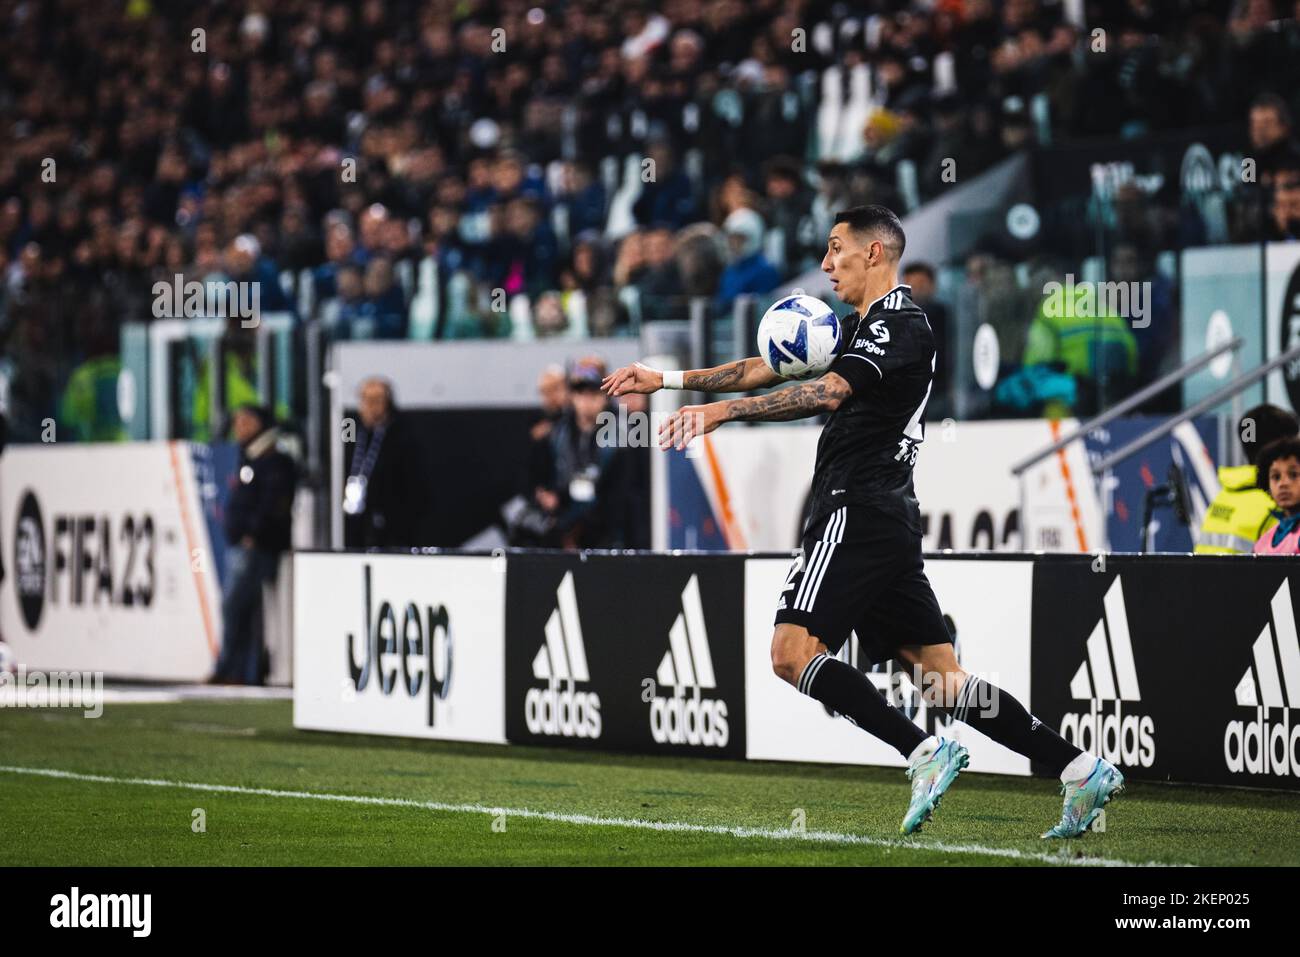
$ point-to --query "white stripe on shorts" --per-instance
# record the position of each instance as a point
(822, 552)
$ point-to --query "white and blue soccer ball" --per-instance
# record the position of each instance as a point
(798, 337)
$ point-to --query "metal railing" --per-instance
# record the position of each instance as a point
(1136, 399)
(1242, 382)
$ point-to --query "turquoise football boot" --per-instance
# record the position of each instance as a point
(931, 776)
(1085, 799)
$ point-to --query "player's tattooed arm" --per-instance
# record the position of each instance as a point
(742, 376)
(796, 402)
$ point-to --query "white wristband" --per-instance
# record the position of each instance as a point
(673, 379)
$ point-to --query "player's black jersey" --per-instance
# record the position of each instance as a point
(869, 444)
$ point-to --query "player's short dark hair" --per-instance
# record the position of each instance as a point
(921, 267)
(1287, 448)
(878, 221)
(1270, 423)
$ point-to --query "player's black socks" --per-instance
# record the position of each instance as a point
(847, 691)
(991, 711)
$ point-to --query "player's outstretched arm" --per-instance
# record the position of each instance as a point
(742, 376)
(797, 402)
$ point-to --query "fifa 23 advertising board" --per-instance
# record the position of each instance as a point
(408, 645)
(1176, 668)
(108, 562)
(626, 652)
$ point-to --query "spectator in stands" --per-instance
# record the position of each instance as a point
(1284, 220)
(630, 262)
(239, 356)
(550, 319)
(1242, 510)
(384, 495)
(700, 259)
(733, 193)
(340, 251)
(1158, 339)
(788, 202)
(661, 282)
(529, 249)
(583, 198)
(749, 272)
(921, 277)
(669, 196)
(585, 286)
(1279, 470)
(382, 313)
(553, 398)
(1272, 139)
(582, 502)
(1074, 332)
(347, 305)
(258, 520)
(159, 153)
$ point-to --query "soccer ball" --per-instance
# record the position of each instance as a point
(798, 337)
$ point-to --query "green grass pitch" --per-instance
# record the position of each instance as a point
(274, 795)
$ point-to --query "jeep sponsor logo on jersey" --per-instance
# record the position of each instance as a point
(406, 651)
(1269, 743)
(563, 708)
(688, 716)
(1107, 680)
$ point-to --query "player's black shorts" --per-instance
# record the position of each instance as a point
(862, 571)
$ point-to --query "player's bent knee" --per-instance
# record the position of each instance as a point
(792, 647)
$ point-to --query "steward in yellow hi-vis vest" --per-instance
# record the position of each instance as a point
(1242, 511)
(1239, 514)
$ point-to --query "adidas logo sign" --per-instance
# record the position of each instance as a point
(1261, 747)
(560, 709)
(687, 668)
(1108, 674)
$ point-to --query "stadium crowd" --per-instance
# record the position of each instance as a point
(400, 169)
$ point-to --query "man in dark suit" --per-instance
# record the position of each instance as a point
(258, 521)
(385, 492)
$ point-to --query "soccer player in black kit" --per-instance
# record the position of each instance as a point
(861, 567)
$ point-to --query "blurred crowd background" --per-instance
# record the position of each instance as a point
(402, 170)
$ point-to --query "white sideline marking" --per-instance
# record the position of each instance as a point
(824, 837)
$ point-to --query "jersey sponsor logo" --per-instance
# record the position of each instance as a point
(1269, 744)
(1107, 678)
(563, 708)
(866, 345)
(415, 647)
(688, 716)
(880, 331)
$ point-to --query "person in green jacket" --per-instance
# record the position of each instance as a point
(1075, 330)
(88, 408)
